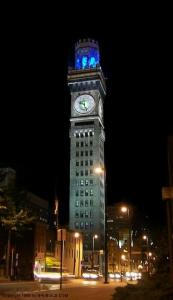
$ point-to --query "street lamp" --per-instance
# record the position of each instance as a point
(94, 237)
(76, 236)
(145, 238)
(123, 258)
(100, 170)
(126, 210)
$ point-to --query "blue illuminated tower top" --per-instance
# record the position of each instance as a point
(86, 54)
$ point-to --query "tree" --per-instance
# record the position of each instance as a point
(14, 215)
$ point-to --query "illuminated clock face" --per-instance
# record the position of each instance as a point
(84, 104)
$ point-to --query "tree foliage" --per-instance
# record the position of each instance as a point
(14, 213)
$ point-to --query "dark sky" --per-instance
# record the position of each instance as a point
(35, 103)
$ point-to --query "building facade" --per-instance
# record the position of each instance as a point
(87, 189)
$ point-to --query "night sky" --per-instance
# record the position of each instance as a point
(35, 105)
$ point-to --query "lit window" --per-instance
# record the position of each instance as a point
(81, 225)
(86, 182)
(86, 214)
(76, 224)
(86, 192)
(81, 182)
(91, 193)
(77, 203)
(86, 225)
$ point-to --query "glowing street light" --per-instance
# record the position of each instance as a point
(76, 236)
(125, 210)
(149, 254)
(94, 237)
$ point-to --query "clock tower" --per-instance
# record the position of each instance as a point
(87, 189)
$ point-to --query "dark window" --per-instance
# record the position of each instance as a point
(91, 202)
(76, 214)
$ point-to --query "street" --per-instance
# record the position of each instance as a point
(75, 289)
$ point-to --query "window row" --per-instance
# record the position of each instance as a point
(84, 225)
(84, 193)
(86, 163)
(84, 173)
(83, 134)
(85, 182)
(84, 144)
(84, 214)
(84, 153)
(86, 203)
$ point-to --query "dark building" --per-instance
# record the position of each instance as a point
(33, 241)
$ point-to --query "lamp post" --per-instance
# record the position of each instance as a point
(145, 238)
(126, 210)
(76, 236)
(123, 258)
(100, 170)
(95, 236)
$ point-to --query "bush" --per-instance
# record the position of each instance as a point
(158, 287)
